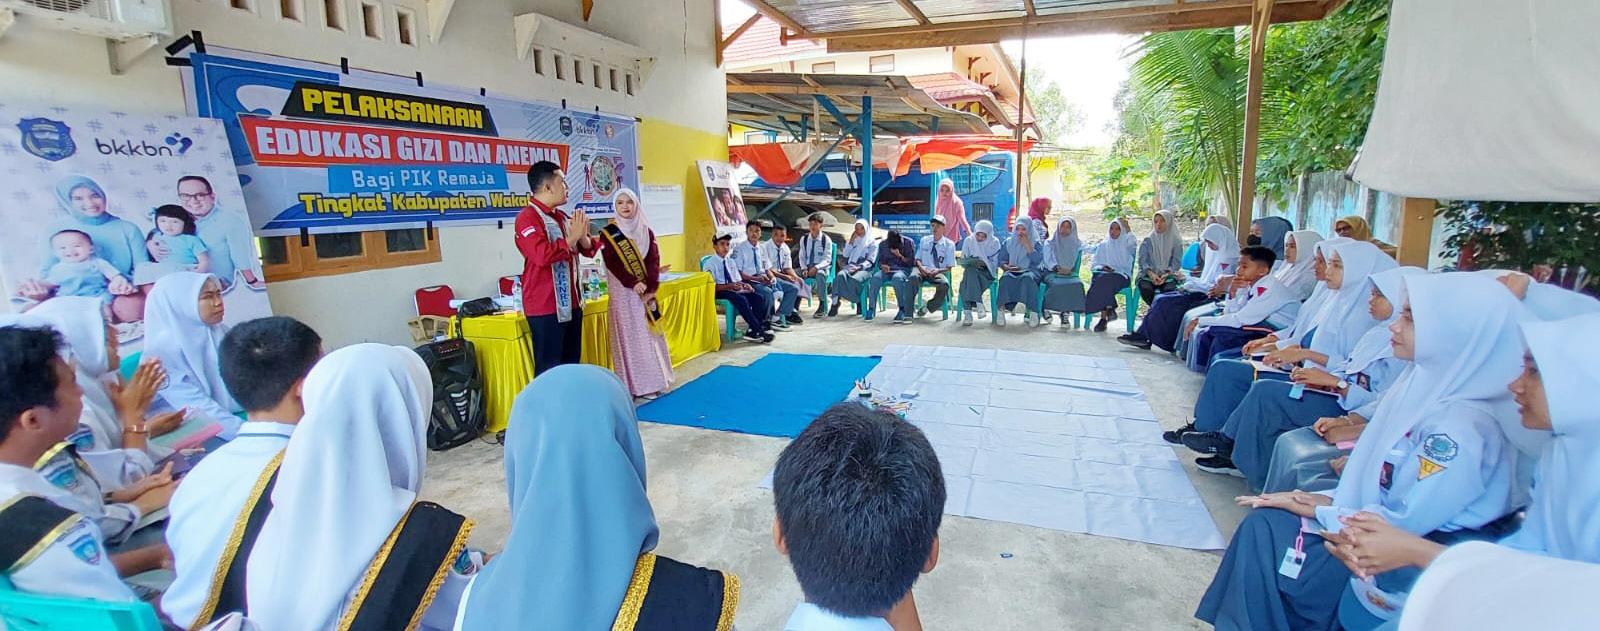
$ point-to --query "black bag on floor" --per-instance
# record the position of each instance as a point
(458, 412)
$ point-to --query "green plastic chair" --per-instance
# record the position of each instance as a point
(730, 328)
(129, 365)
(31, 612)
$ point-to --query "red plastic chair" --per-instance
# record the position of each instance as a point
(435, 301)
(507, 285)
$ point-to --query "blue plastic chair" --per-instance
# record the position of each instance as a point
(1191, 256)
(30, 612)
(730, 329)
(129, 365)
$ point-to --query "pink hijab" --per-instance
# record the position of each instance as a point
(1039, 209)
(953, 210)
(638, 228)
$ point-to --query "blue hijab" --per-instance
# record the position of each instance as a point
(1273, 232)
(70, 183)
(579, 515)
(117, 241)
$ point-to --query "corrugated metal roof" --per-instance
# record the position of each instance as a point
(762, 42)
(823, 16)
(758, 99)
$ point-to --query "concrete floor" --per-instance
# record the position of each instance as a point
(703, 487)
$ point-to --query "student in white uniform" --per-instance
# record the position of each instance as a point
(48, 548)
(756, 271)
(816, 259)
(264, 364)
(936, 256)
(345, 515)
(183, 323)
(1264, 304)
(857, 536)
(776, 250)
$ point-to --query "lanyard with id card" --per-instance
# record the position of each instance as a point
(1294, 558)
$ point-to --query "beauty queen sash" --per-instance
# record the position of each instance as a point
(561, 271)
(632, 259)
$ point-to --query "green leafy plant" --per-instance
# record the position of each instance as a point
(1122, 184)
(1527, 236)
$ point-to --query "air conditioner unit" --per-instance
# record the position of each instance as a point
(111, 19)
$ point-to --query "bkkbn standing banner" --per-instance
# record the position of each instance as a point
(329, 149)
(722, 195)
(102, 204)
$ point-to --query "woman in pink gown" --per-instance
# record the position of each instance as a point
(638, 351)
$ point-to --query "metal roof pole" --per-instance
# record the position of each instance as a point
(847, 128)
(864, 134)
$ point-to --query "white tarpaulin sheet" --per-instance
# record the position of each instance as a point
(1491, 101)
(1064, 442)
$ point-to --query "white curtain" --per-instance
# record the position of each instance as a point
(1488, 100)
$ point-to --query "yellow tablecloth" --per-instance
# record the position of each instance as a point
(688, 318)
(505, 353)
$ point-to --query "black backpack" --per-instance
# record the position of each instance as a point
(458, 411)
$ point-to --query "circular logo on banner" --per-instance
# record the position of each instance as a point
(603, 176)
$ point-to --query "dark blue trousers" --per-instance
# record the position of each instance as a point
(751, 306)
(1266, 413)
(1226, 384)
(1164, 322)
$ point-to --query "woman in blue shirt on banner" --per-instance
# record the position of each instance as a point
(1435, 463)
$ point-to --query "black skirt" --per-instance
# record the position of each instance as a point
(1103, 292)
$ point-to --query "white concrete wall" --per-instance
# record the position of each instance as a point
(477, 50)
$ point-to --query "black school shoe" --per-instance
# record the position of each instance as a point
(766, 338)
(1209, 443)
(752, 336)
(794, 318)
(1176, 436)
(1135, 340)
(834, 309)
(1220, 465)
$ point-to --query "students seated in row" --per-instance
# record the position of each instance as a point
(1063, 290)
(1346, 392)
(980, 262)
(1022, 265)
(1437, 463)
(1560, 373)
(896, 258)
(218, 513)
(1263, 304)
(1161, 324)
(51, 549)
(1160, 259)
(936, 256)
(752, 305)
(776, 249)
(183, 328)
(860, 258)
(858, 497)
(580, 553)
(1112, 272)
(756, 270)
(816, 260)
(345, 543)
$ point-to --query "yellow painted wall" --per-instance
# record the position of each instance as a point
(668, 153)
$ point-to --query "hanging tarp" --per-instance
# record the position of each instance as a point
(783, 163)
(1488, 101)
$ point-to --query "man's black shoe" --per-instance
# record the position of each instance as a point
(1220, 465)
(766, 338)
(794, 318)
(1176, 436)
(1209, 443)
(1135, 340)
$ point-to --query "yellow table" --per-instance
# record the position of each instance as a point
(688, 318)
(505, 352)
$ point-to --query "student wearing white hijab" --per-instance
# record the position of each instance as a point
(1063, 289)
(860, 252)
(980, 262)
(1346, 391)
(345, 515)
(1022, 262)
(1160, 258)
(1478, 586)
(183, 325)
(1113, 271)
(582, 530)
(1296, 271)
(1344, 317)
(1434, 462)
(218, 512)
(1162, 325)
(1311, 312)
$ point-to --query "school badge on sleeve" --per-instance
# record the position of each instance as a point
(1440, 448)
(1426, 467)
(48, 139)
(84, 546)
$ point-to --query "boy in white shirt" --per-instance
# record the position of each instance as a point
(777, 250)
(936, 255)
(859, 496)
(1263, 305)
(755, 270)
(45, 547)
(731, 287)
(816, 258)
(264, 364)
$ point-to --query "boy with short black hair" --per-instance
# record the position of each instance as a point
(757, 271)
(730, 286)
(859, 497)
(816, 258)
(1260, 305)
(50, 547)
(776, 249)
(264, 363)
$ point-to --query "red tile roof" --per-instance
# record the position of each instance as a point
(949, 87)
(761, 42)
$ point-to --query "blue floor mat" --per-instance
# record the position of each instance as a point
(777, 395)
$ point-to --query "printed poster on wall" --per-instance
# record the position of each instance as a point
(103, 204)
(329, 149)
(722, 196)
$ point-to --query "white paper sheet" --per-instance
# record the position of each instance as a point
(1064, 442)
(663, 206)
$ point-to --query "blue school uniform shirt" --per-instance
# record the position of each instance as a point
(902, 263)
(814, 253)
(183, 249)
(809, 617)
(936, 256)
(228, 238)
(1034, 263)
(723, 270)
(751, 259)
(91, 278)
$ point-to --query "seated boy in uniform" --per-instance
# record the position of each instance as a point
(45, 546)
(859, 497)
(264, 364)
